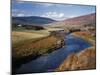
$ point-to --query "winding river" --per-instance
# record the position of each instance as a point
(50, 62)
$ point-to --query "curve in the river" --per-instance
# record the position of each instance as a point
(51, 61)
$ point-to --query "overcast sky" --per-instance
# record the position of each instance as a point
(50, 10)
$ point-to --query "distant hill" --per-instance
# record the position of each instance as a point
(89, 19)
(32, 20)
(82, 20)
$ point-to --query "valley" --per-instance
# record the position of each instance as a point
(68, 44)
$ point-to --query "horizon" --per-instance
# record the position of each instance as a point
(50, 10)
(54, 19)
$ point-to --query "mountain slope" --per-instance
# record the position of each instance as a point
(89, 19)
(31, 20)
(82, 20)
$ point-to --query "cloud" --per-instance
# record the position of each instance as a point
(54, 15)
(19, 13)
(61, 14)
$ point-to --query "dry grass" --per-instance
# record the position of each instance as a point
(85, 59)
(85, 35)
(18, 36)
(33, 42)
(29, 44)
(34, 47)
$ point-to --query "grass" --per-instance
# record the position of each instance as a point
(83, 60)
(28, 45)
(85, 35)
(86, 59)
(26, 42)
(31, 47)
(18, 36)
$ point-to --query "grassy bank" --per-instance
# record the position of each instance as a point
(86, 36)
(83, 60)
(28, 45)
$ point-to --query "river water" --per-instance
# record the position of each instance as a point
(48, 63)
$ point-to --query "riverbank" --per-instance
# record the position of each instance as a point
(27, 50)
(48, 63)
(86, 36)
(83, 60)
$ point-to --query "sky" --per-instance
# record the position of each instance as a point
(50, 10)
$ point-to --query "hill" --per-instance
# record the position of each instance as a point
(82, 20)
(31, 20)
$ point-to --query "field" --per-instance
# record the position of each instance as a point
(34, 48)
(18, 36)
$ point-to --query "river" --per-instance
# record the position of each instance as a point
(48, 63)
